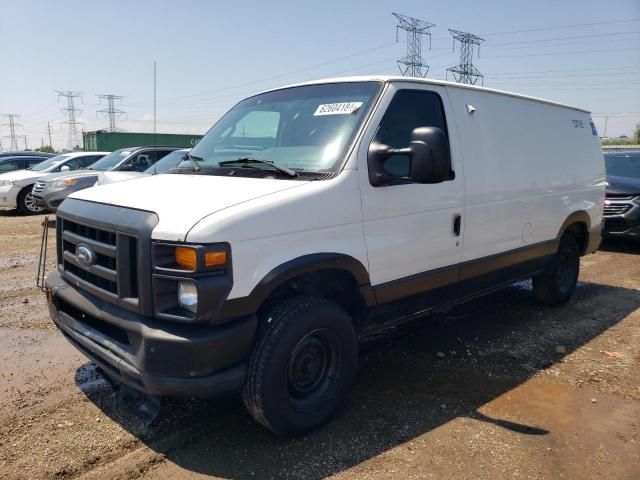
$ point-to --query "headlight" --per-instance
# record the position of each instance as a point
(6, 183)
(188, 295)
(69, 182)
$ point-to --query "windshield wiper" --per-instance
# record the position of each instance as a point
(248, 160)
(194, 161)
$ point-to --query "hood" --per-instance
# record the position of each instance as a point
(70, 174)
(22, 176)
(180, 201)
(106, 178)
(623, 185)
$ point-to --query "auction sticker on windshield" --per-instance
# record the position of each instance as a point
(346, 108)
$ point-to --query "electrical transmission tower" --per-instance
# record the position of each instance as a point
(72, 111)
(111, 111)
(412, 64)
(466, 72)
(11, 123)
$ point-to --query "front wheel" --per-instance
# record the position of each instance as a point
(26, 202)
(302, 366)
(556, 283)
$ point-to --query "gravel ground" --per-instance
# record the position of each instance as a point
(497, 388)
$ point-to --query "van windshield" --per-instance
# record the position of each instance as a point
(304, 128)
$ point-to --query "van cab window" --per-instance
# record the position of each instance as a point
(306, 128)
(409, 109)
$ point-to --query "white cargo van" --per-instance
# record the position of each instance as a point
(311, 215)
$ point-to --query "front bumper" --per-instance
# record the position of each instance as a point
(153, 356)
(9, 196)
(50, 200)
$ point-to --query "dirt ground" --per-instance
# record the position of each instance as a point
(497, 388)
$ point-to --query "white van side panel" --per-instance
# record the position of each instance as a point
(528, 166)
(320, 217)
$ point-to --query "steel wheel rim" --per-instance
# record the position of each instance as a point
(313, 369)
(566, 271)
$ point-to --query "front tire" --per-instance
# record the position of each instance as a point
(556, 283)
(302, 366)
(26, 202)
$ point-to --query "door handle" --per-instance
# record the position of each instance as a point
(457, 220)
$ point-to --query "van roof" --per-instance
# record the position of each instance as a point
(426, 81)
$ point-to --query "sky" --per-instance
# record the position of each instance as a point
(211, 54)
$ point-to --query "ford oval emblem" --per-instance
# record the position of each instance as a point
(86, 257)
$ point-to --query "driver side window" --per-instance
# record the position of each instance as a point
(409, 109)
(73, 164)
(142, 161)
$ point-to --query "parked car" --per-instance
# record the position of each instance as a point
(12, 161)
(51, 190)
(15, 187)
(622, 204)
(314, 215)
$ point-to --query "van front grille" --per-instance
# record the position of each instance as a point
(111, 268)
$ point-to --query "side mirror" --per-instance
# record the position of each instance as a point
(65, 168)
(431, 161)
(429, 154)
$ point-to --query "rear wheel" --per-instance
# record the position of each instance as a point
(302, 366)
(556, 283)
(26, 202)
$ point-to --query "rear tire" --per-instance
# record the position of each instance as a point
(302, 365)
(26, 202)
(556, 283)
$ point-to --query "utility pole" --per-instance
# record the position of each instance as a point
(412, 64)
(72, 111)
(49, 132)
(12, 130)
(111, 111)
(466, 72)
(26, 147)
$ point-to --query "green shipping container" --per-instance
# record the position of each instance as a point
(103, 141)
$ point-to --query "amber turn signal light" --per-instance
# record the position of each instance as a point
(215, 259)
(186, 257)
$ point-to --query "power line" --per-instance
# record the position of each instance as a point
(555, 39)
(563, 53)
(574, 25)
(72, 111)
(412, 64)
(179, 99)
(111, 111)
(466, 72)
(12, 129)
